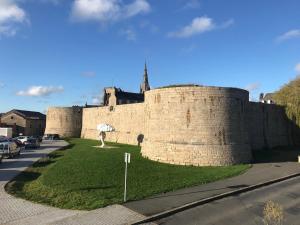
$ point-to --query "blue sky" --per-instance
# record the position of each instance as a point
(63, 52)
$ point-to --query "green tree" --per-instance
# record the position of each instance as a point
(289, 97)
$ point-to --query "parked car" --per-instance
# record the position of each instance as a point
(51, 137)
(22, 138)
(40, 138)
(32, 143)
(9, 149)
(2, 138)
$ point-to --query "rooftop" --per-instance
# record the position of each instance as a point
(28, 114)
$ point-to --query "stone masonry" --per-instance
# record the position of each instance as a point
(186, 125)
(65, 121)
(196, 126)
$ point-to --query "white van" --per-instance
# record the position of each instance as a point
(6, 132)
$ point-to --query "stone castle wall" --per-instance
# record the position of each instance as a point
(185, 125)
(65, 121)
(128, 120)
(196, 126)
(268, 126)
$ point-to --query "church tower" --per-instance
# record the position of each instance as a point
(145, 84)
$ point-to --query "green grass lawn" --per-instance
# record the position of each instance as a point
(83, 177)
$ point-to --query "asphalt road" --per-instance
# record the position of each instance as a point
(244, 209)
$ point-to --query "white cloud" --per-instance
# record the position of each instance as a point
(37, 91)
(10, 12)
(199, 25)
(137, 7)
(129, 34)
(8, 31)
(297, 68)
(10, 16)
(292, 34)
(192, 4)
(101, 10)
(107, 10)
(97, 100)
(227, 23)
(252, 87)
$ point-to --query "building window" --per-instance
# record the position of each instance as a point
(11, 117)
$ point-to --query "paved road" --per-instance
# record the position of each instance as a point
(244, 209)
(259, 173)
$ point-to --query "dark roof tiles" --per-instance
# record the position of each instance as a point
(28, 114)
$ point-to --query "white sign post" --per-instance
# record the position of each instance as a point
(127, 160)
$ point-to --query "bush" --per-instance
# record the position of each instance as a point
(273, 214)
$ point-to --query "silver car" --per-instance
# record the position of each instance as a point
(9, 149)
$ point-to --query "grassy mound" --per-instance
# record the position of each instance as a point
(84, 177)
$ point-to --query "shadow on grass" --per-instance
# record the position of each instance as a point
(17, 184)
(42, 163)
(276, 155)
(67, 147)
(56, 155)
(100, 187)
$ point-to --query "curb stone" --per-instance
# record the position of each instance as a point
(214, 198)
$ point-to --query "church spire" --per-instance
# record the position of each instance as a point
(145, 69)
(145, 84)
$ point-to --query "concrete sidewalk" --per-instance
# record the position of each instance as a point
(110, 215)
(257, 174)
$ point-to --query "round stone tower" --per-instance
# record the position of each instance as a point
(65, 121)
(196, 125)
